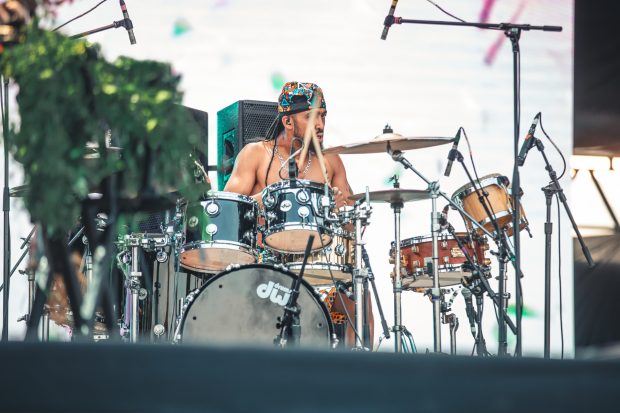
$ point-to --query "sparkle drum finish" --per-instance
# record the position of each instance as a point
(243, 306)
(219, 230)
(293, 211)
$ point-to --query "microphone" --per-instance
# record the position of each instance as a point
(469, 307)
(528, 142)
(389, 20)
(343, 288)
(452, 153)
(128, 24)
(443, 218)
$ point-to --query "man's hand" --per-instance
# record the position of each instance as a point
(339, 197)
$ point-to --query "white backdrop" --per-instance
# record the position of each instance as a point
(423, 80)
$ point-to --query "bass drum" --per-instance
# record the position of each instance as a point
(243, 306)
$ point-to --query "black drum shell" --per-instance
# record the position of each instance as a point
(228, 310)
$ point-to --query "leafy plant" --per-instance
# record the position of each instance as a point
(69, 95)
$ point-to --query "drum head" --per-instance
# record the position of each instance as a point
(244, 305)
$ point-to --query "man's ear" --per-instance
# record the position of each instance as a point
(287, 122)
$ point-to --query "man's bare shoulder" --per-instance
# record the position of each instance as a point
(253, 148)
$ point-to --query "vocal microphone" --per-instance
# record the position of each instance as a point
(128, 23)
(470, 310)
(452, 153)
(528, 142)
(389, 20)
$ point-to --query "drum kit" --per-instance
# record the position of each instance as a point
(254, 265)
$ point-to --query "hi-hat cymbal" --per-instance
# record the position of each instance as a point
(393, 196)
(380, 144)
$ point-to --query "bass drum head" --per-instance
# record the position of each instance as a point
(243, 306)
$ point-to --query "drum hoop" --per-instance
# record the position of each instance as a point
(295, 184)
(277, 268)
(230, 196)
(196, 245)
(485, 181)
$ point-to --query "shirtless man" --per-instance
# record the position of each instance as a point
(260, 164)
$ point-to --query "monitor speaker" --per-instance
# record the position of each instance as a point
(238, 124)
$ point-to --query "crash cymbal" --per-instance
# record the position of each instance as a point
(380, 144)
(396, 195)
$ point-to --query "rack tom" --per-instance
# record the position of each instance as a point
(293, 210)
(219, 230)
(495, 186)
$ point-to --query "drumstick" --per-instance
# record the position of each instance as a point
(319, 155)
(308, 135)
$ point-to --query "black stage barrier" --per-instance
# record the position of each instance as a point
(163, 378)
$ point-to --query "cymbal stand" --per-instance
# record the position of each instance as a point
(503, 257)
(398, 282)
(361, 217)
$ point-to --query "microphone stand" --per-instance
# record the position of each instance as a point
(550, 190)
(503, 257)
(513, 32)
(290, 326)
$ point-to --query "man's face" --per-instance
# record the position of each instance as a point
(302, 120)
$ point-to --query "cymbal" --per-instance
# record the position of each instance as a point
(380, 144)
(396, 195)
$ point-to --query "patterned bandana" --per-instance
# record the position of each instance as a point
(298, 97)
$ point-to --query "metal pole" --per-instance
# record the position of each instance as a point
(502, 346)
(358, 284)
(435, 292)
(6, 208)
(134, 280)
(398, 283)
(548, 231)
(45, 326)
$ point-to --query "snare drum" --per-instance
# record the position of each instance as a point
(499, 200)
(293, 212)
(337, 258)
(417, 254)
(243, 306)
(219, 230)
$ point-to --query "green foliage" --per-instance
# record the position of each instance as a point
(69, 96)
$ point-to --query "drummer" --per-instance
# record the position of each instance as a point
(263, 163)
(260, 164)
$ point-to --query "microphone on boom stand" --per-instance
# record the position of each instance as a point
(529, 141)
(127, 22)
(453, 152)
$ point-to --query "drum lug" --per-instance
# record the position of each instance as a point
(250, 215)
(270, 216)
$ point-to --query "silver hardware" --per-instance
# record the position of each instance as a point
(303, 212)
(286, 205)
(212, 208)
(211, 229)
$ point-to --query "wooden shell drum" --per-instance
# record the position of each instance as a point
(499, 201)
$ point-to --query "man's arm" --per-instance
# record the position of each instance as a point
(339, 181)
(243, 178)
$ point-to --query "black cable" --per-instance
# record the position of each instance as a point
(81, 15)
(556, 148)
(448, 13)
(557, 198)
